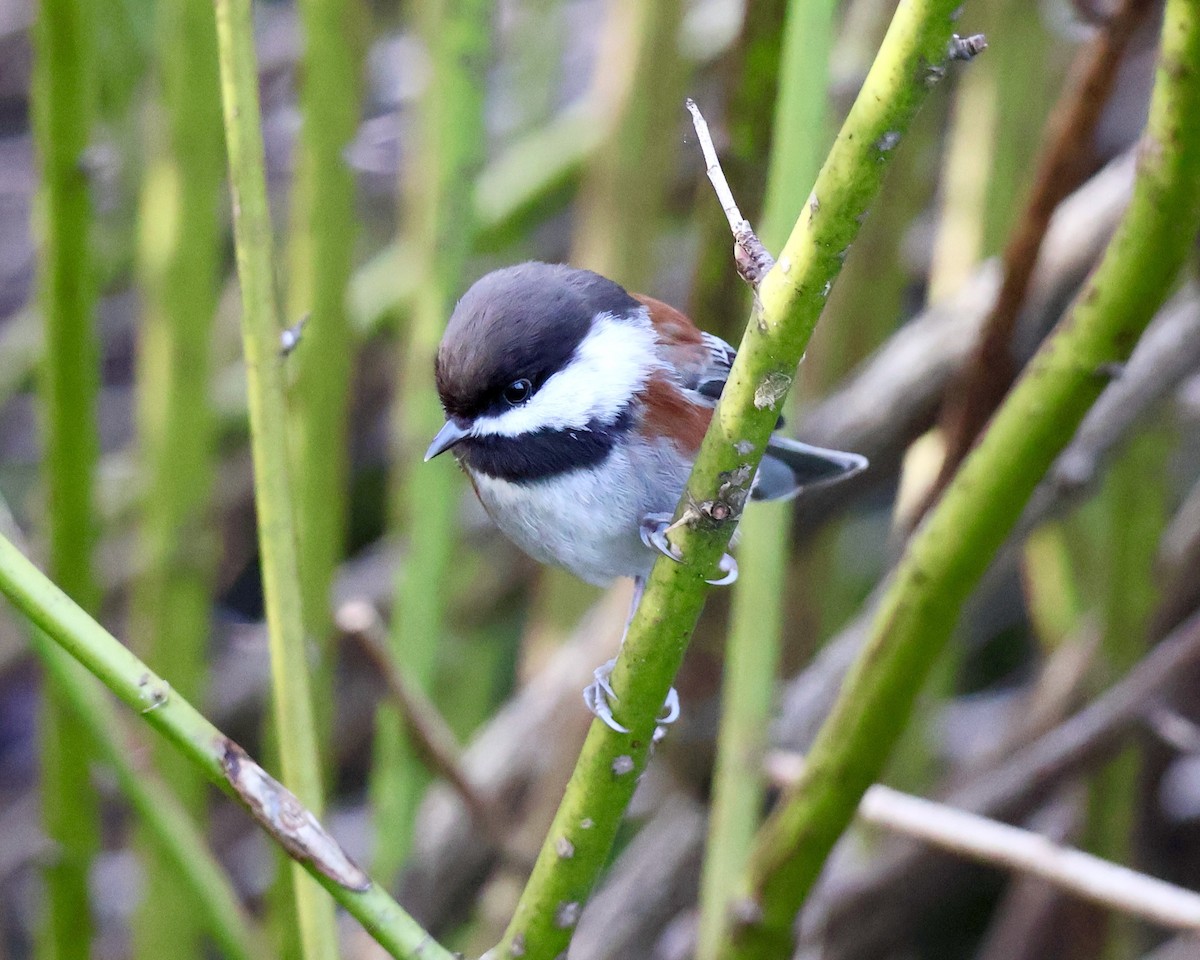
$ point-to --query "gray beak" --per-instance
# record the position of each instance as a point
(447, 437)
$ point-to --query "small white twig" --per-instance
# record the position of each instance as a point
(753, 260)
(712, 167)
(1001, 845)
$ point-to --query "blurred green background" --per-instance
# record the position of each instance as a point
(410, 148)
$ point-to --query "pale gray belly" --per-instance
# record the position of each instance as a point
(588, 521)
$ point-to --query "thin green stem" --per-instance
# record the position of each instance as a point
(179, 260)
(1132, 513)
(169, 825)
(293, 709)
(456, 33)
(320, 261)
(790, 300)
(952, 548)
(756, 630)
(62, 99)
(221, 760)
(621, 198)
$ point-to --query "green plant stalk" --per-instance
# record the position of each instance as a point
(952, 548)
(756, 630)
(137, 686)
(179, 261)
(168, 825)
(320, 261)
(790, 300)
(456, 33)
(622, 194)
(293, 709)
(747, 698)
(525, 182)
(1133, 516)
(62, 113)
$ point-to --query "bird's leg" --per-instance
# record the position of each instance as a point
(599, 694)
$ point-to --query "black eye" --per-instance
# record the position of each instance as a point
(517, 392)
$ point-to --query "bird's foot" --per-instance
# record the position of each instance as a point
(653, 531)
(727, 566)
(600, 696)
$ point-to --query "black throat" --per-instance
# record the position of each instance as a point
(543, 454)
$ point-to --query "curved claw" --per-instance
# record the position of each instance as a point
(653, 531)
(671, 706)
(727, 566)
(599, 697)
(596, 699)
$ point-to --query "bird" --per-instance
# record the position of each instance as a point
(576, 409)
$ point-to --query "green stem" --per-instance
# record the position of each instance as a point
(179, 260)
(293, 709)
(953, 547)
(1131, 513)
(790, 300)
(621, 198)
(222, 761)
(185, 860)
(456, 33)
(62, 100)
(756, 631)
(320, 262)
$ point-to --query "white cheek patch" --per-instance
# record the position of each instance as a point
(610, 365)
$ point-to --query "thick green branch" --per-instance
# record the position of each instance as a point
(221, 760)
(952, 549)
(790, 300)
(292, 701)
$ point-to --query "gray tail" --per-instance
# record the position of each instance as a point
(789, 466)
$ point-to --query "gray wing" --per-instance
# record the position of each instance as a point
(788, 465)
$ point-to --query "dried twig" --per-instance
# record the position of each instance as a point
(999, 844)
(431, 735)
(752, 258)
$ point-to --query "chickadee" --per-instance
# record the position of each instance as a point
(577, 409)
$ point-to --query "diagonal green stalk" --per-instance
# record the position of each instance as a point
(62, 103)
(170, 831)
(179, 261)
(292, 702)
(138, 687)
(456, 33)
(756, 627)
(790, 300)
(952, 548)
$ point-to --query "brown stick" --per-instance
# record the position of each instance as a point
(1062, 166)
(432, 737)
